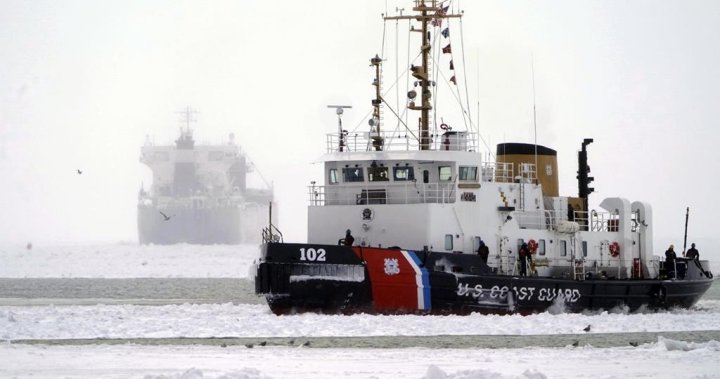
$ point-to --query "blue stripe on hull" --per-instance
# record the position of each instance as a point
(427, 304)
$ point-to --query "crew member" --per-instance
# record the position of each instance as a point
(483, 251)
(348, 240)
(524, 256)
(692, 252)
(670, 257)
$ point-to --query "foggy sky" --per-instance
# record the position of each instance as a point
(83, 83)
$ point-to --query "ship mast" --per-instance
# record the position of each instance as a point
(186, 138)
(427, 12)
(377, 139)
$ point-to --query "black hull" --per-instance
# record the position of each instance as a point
(353, 280)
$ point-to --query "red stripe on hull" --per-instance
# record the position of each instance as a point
(393, 280)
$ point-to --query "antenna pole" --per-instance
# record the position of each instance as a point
(426, 13)
(187, 117)
(532, 67)
(687, 216)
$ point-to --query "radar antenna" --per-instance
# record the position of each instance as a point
(342, 134)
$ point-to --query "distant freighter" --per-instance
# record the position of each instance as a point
(200, 195)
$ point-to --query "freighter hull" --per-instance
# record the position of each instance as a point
(200, 194)
(338, 279)
(195, 225)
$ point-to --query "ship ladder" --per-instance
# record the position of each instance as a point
(579, 268)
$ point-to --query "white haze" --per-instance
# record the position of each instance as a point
(83, 82)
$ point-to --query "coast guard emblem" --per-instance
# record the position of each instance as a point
(391, 266)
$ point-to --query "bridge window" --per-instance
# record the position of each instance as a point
(468, 173)
(332, 176)
(445, 173)
(563, 248)
(378, 174)
(353, 174)
(403, 173)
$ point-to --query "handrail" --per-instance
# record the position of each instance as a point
(410, 192)
(397, 141)
(271, 234)
(504, 172)
(597, 221)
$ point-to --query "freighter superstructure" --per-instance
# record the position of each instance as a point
(200, 194)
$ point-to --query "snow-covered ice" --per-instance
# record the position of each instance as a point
(251, 320)
(664, 358)
(127, 260)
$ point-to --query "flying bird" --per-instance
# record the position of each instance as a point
(166, 217)
(79, 172)
(587, 328)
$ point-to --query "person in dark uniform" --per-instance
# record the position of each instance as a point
(523, 256)
(670, 257)
(349, 239)
(571, 213)
(692, 253)
(483, 251)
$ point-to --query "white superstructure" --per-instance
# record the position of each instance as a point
(448, 199)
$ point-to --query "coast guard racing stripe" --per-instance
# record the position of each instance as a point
(422, 279)
(397, 280)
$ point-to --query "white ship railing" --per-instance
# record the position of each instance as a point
(597, 221)
(548, 219)
(412, 193)
(599, 268)
(396, 141)
(504, 172)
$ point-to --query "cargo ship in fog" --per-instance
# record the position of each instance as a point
(200, 194)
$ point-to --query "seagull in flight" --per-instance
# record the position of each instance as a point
(166, 217)
(79, 172)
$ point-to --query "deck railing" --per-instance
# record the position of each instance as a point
(409, 193)
(395, 141)
(549, 219)
(597, 221)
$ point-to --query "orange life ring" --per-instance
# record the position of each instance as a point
(532, 246)
(614, 249)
